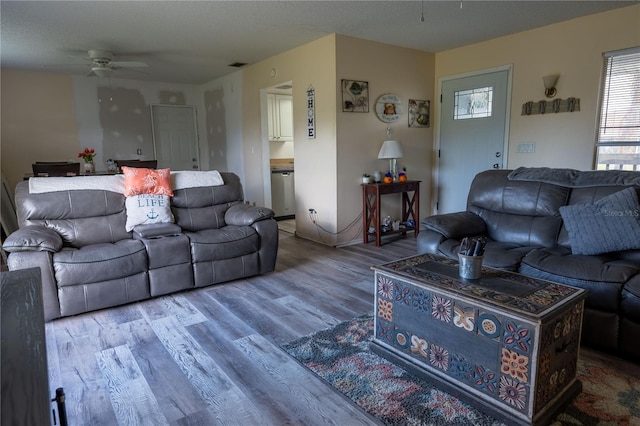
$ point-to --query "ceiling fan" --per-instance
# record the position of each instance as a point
(103, 65)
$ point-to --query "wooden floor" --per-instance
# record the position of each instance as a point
(211, 356)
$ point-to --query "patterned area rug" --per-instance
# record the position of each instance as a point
(341, 356)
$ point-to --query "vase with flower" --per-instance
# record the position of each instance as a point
(88, 155)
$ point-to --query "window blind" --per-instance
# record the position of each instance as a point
(620, 101)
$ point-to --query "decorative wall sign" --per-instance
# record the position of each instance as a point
(355, 96)
(419, 115)
(311, 113)
(551, 107)
(388, 108)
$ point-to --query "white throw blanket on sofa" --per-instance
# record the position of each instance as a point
(115, 183)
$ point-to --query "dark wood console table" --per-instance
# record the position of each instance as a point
(371, 193)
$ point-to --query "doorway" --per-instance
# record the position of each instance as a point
(474, 117)
(281, 163)
(175, 138)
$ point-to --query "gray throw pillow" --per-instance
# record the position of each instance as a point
(609, 224)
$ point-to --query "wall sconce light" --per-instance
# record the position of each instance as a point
(550, 85)
(391, 150)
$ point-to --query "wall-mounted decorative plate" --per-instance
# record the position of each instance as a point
(388, 108)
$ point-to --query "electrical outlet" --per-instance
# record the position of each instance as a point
(313, 215)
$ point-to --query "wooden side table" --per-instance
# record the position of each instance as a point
(371, 193)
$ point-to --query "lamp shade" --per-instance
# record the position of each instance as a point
(390, 149)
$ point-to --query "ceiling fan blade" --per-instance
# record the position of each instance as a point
(128, 70)
(128, 64)
(63, 65)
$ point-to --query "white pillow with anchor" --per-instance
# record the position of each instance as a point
(144, 209)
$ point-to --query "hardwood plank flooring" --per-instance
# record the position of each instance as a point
(211, 356)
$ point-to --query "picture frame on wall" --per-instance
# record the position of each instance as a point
(419, 113)
(355, 96)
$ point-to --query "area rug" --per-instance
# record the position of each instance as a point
(341, 356)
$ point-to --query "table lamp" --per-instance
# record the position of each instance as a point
(391, 150)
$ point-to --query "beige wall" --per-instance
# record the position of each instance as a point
(572, 49)
(407, 73)
(38, 121)
(328, 169)
(315, 159)
(52, 117)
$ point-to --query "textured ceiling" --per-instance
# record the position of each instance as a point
(195, 41)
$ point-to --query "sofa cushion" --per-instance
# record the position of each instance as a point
(80, 217)
(199, 208)
(602, 275)
(145, 209)
(146, 181)
(610, 224)
(518, 212)
(99, 262)
(224, 243)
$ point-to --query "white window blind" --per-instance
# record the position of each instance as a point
(618, 140)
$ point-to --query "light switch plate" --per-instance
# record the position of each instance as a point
(527, 147)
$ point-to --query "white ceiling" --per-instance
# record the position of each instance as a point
(195, 41)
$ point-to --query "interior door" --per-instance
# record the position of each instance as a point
(473, 133)
(175, 137)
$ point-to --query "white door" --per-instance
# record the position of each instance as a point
(473, 133)
(175, 137)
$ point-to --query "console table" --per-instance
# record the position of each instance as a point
(371, 193)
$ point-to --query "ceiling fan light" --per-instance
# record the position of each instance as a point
(101, 71)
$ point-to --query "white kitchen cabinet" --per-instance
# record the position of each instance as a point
(280, 111)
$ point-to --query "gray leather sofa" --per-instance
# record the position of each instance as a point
(88, 261)
(523, 212)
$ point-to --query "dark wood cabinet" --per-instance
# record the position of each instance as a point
(25, 380)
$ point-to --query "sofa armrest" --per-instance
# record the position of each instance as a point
(456, 225)
(33, 238)
(429, 241)
(155, 230)
(242, 214)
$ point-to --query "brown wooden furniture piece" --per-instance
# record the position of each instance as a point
(145, 164)
(371, 193)
(25, 380)
(45, 169)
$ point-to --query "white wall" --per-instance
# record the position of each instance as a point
(96, 100)
(222, 123)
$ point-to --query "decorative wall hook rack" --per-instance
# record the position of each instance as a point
(551, 107)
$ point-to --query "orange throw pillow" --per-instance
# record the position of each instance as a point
(147, 181)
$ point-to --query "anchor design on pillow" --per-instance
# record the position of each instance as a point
(152, 214)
